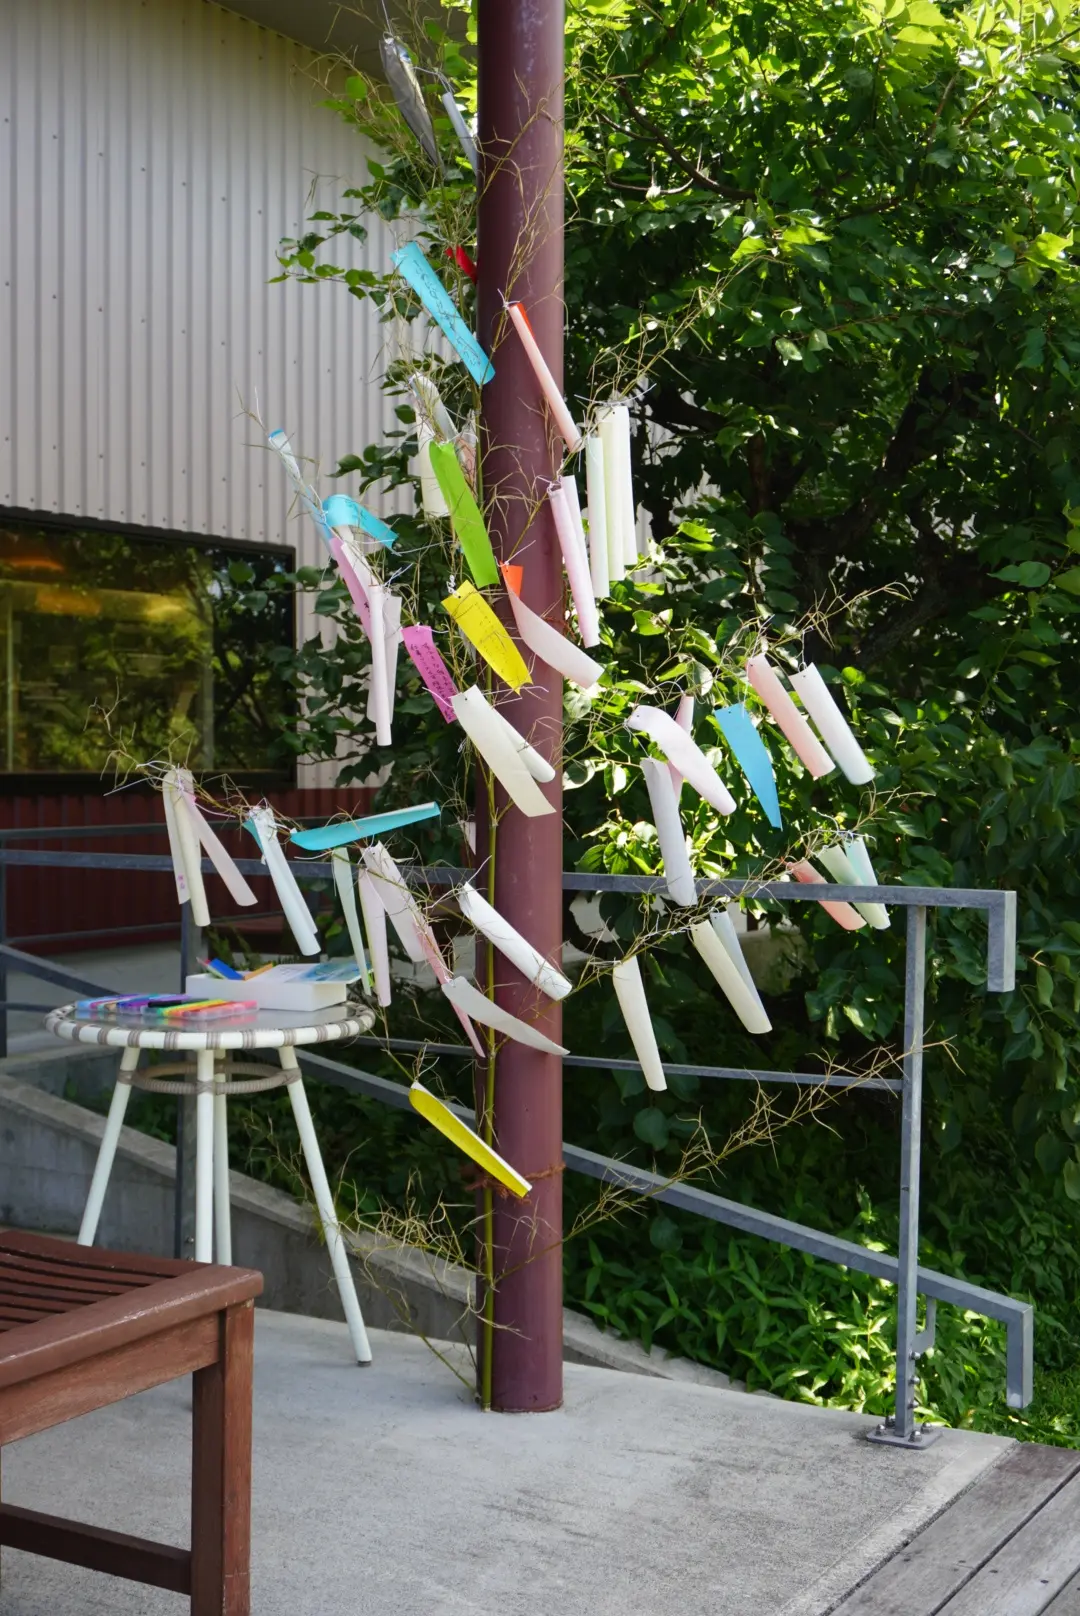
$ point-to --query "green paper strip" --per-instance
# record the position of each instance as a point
(465, 518)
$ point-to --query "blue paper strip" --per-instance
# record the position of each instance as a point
(410, 262)
(751, 754)
(321, 838)
(342, 511)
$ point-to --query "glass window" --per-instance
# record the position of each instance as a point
(162, 646)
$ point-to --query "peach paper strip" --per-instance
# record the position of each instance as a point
(684, 717)
(681, 886)
(680, 749)
(842, 913)
(613, 495)
(843, 864)
(545, 641)
(356, 589)
(564, 421)
(505, 759)
(801, 738)
(630, 992)
(463, 995)
(420, 644)
(576, 562)
(375, 925)
(832, 726)
(598, 545)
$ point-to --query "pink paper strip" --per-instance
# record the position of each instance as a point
(801, 738)
(842, 913)
(352, 583)
(420, 644)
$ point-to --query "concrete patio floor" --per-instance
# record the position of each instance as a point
(383, 1492)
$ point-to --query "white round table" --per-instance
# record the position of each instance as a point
(217, 1074)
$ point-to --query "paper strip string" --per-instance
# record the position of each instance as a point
(681, 887)
(801, 738)
(420, 644)
(850, 869)
(169, 794)
(401, 77)
(504, 758)
(375, 925)
(340, 832)
(395, 898)
(682, 750)
(341, 511)
(357, 592)
(740, 732)
(832, 726)
(545, 641)
(214, 848)
(411, 264)
(598, 545)
(476, 620)
(576, 562)
(564, 421)
(465, 139)
(722, 924)
(279, 441)
(626, 978)
(465, 518)
(263, 826)
(343, 881)
(842, 913)
(458, 256)
(743, 1000)
(684, 717)
(469, 1143)
(464, 996)
(610, 443)
(518, 950)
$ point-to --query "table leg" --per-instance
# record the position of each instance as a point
(107, 1153)
(324, 1202)
(204, 1156)
(222, 1208)
(221, 1473)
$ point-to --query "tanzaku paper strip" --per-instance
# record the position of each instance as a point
(678, 875)
(215, 850)
(339, 832)
(391, 639)
(263, 826)
(353, 583)
(186, 848)
(395, 898)
(465, 140)
(420, 644)
(832, 726)
(853, 869)
(541, 770)
(684, 717)
(627, 507)
(597, 505)
(169, 793)
(464, 996)
(504, 757)
(801, 738)
(751, 754)
(431, 495)
(550, 646)
(680, 749)
(432, 408)
(379, 693)
(724, 927)
(476, 620)
(343, 881)
(458, 256)
(341, 511)
(375, 926)
(278, 441)
(411, 264)
(465, 518)
(564, 421)
(842, 913)
(432, 1109)
(744, 1001)
(518, 950)
(626, 979)
(576, 562)
(401, 77)
(610, 442)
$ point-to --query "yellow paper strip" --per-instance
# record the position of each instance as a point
(476, 620)
(460, 1134)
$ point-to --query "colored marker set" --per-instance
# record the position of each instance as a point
(169, 1007)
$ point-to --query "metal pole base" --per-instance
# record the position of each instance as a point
(923, 1436)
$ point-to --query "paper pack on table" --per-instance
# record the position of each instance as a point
(630, 992)
(411, 264)
(374, 914)
(800, 737)
(476, 620)
(832, 726)
(751, 754)
(564, 421)
(681, 886)
(468, 999)
(509, 756)
(576, 562)
(743, 999)
(263, 826)
(465, 517)
(842, 913)
(466, 1139)
(546, 642)
(852, 868)
(681, 749)
(597, 507)
(517, 949)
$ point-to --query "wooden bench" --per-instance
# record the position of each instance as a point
(80, 1328)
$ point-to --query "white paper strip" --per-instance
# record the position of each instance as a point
(375, 926)
(216, 851)
(684, 717)
(395, 898)
(552, 647)
(391, 644)
(431, 495)
(503, 757)
(188, 841)
(518, 950)
(842, 913)
(832, 726)
(539, 767)
(801, 738)
(626, 978)
(576, 562)
(627, 505)
(680, 749)
(598, 543)
(467, 998)
(724, 927)
(564, 421)
(461, 130)
(378, 693)
(573, 500)
(168, 798)
(343, 881)
(432, 408)
(743, 1000)
(665, 810)
(290, 897)
(840, 861)
(613, 495)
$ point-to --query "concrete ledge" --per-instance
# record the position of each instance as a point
(48, 1147)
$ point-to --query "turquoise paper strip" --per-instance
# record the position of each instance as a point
(321, 838)
(740, 732)
(410, 262)
(341, 511)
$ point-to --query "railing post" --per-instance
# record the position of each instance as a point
(184, 1188)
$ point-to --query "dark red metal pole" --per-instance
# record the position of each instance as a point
(520, 253)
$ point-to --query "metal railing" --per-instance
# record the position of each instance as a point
(903, 1270)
